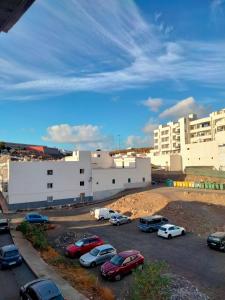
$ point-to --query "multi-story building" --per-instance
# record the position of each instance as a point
(84, 176)
(191, 142)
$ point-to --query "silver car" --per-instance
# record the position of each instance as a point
(98, 255)
(119, 219)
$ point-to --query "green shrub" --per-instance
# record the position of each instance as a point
(35, 234)
(150, 283)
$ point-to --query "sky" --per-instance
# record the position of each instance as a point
(104, 74)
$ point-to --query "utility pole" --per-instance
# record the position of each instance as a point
(118, 141)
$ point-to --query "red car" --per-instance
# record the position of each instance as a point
(83, 246)
(122, 264)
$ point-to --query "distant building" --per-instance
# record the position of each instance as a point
(191, 142)
(84, 176)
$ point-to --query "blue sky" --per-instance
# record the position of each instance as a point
(86, 74)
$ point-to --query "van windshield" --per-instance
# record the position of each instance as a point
(11, 253)
(144, 221)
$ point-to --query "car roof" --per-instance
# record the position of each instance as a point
(168, 225)
(89, 237)
(32, 213)
(3, 220)
(128, 253)
(9, 248)
(152, 217)
(218, 234)
(104, 247)
(46, 288)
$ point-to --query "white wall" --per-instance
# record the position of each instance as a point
(102, 178)
(28, 180)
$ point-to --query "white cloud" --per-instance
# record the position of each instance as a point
(82, 136)
(150, 127)
(136, 141)
(153, 103)
(216, 4)
(183, 108)
(99, 46)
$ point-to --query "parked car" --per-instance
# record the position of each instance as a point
(151, 223)
(119, 219)
(168, 231)
(98, 255)
(83, 246)
(217, 241)
(104, 213)
(4, 225)
(122, 264)
(40, 289)
(9, 256)
(36, 218)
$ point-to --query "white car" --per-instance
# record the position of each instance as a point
(168, 231)
(104, 213)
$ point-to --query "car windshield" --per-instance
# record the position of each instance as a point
(163, 228)
(11, 253)
(3, 224)
(94, 252)
(79, 243)
(214, 238)
(117, 260)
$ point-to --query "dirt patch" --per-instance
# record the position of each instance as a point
(198, 212)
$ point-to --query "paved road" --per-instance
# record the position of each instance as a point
(12, 279)
(187, 256)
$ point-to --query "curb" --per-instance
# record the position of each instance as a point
(41, 269)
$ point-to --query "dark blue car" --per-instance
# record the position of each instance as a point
(151, 223)
(40, 289)
(36, 218)
(9, 256)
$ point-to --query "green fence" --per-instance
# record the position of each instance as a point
(205, 172)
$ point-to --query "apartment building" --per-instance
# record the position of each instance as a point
(191, 142)
(84, 176)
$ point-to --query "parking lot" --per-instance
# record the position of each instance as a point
(11, 279)
(187, 256)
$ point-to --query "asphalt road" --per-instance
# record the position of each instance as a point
(187, 256)
(11, 279)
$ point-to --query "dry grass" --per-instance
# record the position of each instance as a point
(79, 278)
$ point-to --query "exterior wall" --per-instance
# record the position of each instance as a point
(28, 181)
(103, 185)
(101, 159)
(171, 162)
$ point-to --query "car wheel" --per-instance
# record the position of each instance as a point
(101, 218)
(118, 224)
(183, 232)
(118, 277)
(78, 254)
(169, 237)
(93, 264)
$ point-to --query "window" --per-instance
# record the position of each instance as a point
(99, 155)
(50, 198)
(143, 179)
(81, 171)
(113, 181)
(49, 172)
(81, 183)
(129, 180)
(49, 185)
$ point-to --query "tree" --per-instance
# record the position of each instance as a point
(150, 283)
(2, 145)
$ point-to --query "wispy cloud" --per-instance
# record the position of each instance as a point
(153, 103)
(99, 46)
(136, 141)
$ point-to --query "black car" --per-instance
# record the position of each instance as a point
(4, 225)
(9, 256)
(40, 289)
(217, 241)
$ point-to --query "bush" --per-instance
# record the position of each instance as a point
(150, 283)
(35, 234)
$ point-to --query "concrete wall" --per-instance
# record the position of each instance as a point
(171, 162)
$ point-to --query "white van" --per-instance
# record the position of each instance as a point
(104, 213)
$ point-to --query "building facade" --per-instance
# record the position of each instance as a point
(191, 142)
(84, 176)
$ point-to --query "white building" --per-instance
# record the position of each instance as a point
(191, 142)
(84, 176)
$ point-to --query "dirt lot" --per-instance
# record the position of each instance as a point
(200, 212)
